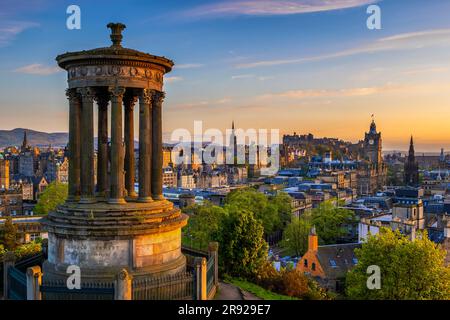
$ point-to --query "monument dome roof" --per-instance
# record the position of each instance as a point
(111, 53)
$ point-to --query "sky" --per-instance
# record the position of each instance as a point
(297, 66)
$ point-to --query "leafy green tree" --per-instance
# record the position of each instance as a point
(295, 236)
(266, 211)
(55, 194)
(243, 248)
(283, 203)
(9, 234)
(412, 270)
(203, 225)
(331, 222)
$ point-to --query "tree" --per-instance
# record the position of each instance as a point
(55, 194)
(204, 223)
(283, 203)
(295, 236)
(9, 234)
(331, 222)
(268, 212)
(243, 248)
(412, 270)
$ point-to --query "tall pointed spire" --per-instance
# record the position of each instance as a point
(25, 140)
(411, 167)
(411, 148)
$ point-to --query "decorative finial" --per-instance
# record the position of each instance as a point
(116, 33)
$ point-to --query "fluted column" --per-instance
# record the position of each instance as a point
(129, 102)
(102, 144)
(117, 149)
(74, 144)
(145, 145)
(87, 145)
(157, 158)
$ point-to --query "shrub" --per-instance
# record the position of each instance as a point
(295, 284)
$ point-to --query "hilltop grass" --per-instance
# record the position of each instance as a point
(257, 290)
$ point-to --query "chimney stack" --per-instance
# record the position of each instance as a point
(313, 240)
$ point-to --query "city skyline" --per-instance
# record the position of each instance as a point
(313, 68)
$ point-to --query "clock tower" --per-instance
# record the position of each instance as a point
(373, 145)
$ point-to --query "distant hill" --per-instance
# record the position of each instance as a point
(35, 138)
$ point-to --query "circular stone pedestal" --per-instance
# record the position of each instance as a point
(102, 239)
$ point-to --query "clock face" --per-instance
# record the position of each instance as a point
(371, 142)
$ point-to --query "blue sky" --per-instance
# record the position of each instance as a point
(299, 65)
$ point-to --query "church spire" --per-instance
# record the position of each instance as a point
(411, 167)
(411, 148)
(25, 140)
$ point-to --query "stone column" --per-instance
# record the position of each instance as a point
(145, 145)
(34, 281)
(116, 195)
(9, 260)
(87, 145)
(213, 251)
(157, 158)
(102, 144)
(200, 276)
(129, 102)
(123, 286)
(74, 144)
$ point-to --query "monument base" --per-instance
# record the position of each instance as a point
(102, 239)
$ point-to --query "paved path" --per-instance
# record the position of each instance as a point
(230, 292)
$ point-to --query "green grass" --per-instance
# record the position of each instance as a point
(257, 290)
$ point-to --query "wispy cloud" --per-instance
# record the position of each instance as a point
(242, 76)
(251, 76)
(189, 65)
(271, 7)
(203, 103)
(403, 41)
(38, 69)
(172, 79)
(389, 88)
(10, 29)
(424, 70)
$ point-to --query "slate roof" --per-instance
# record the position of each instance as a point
(337, 259)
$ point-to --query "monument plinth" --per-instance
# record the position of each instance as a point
(108, 226)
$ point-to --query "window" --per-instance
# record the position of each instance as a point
(313, 266)
(333, 263)
(305, 262)
(35, 236)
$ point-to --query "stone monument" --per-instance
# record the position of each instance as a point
(106, 227)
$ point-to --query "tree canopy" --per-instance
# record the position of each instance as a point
(273, 211)
(9, 235)
(54, 194)
(412, 270)
(295, 236)
(243, 248)
(331, 222)
(204, 223)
